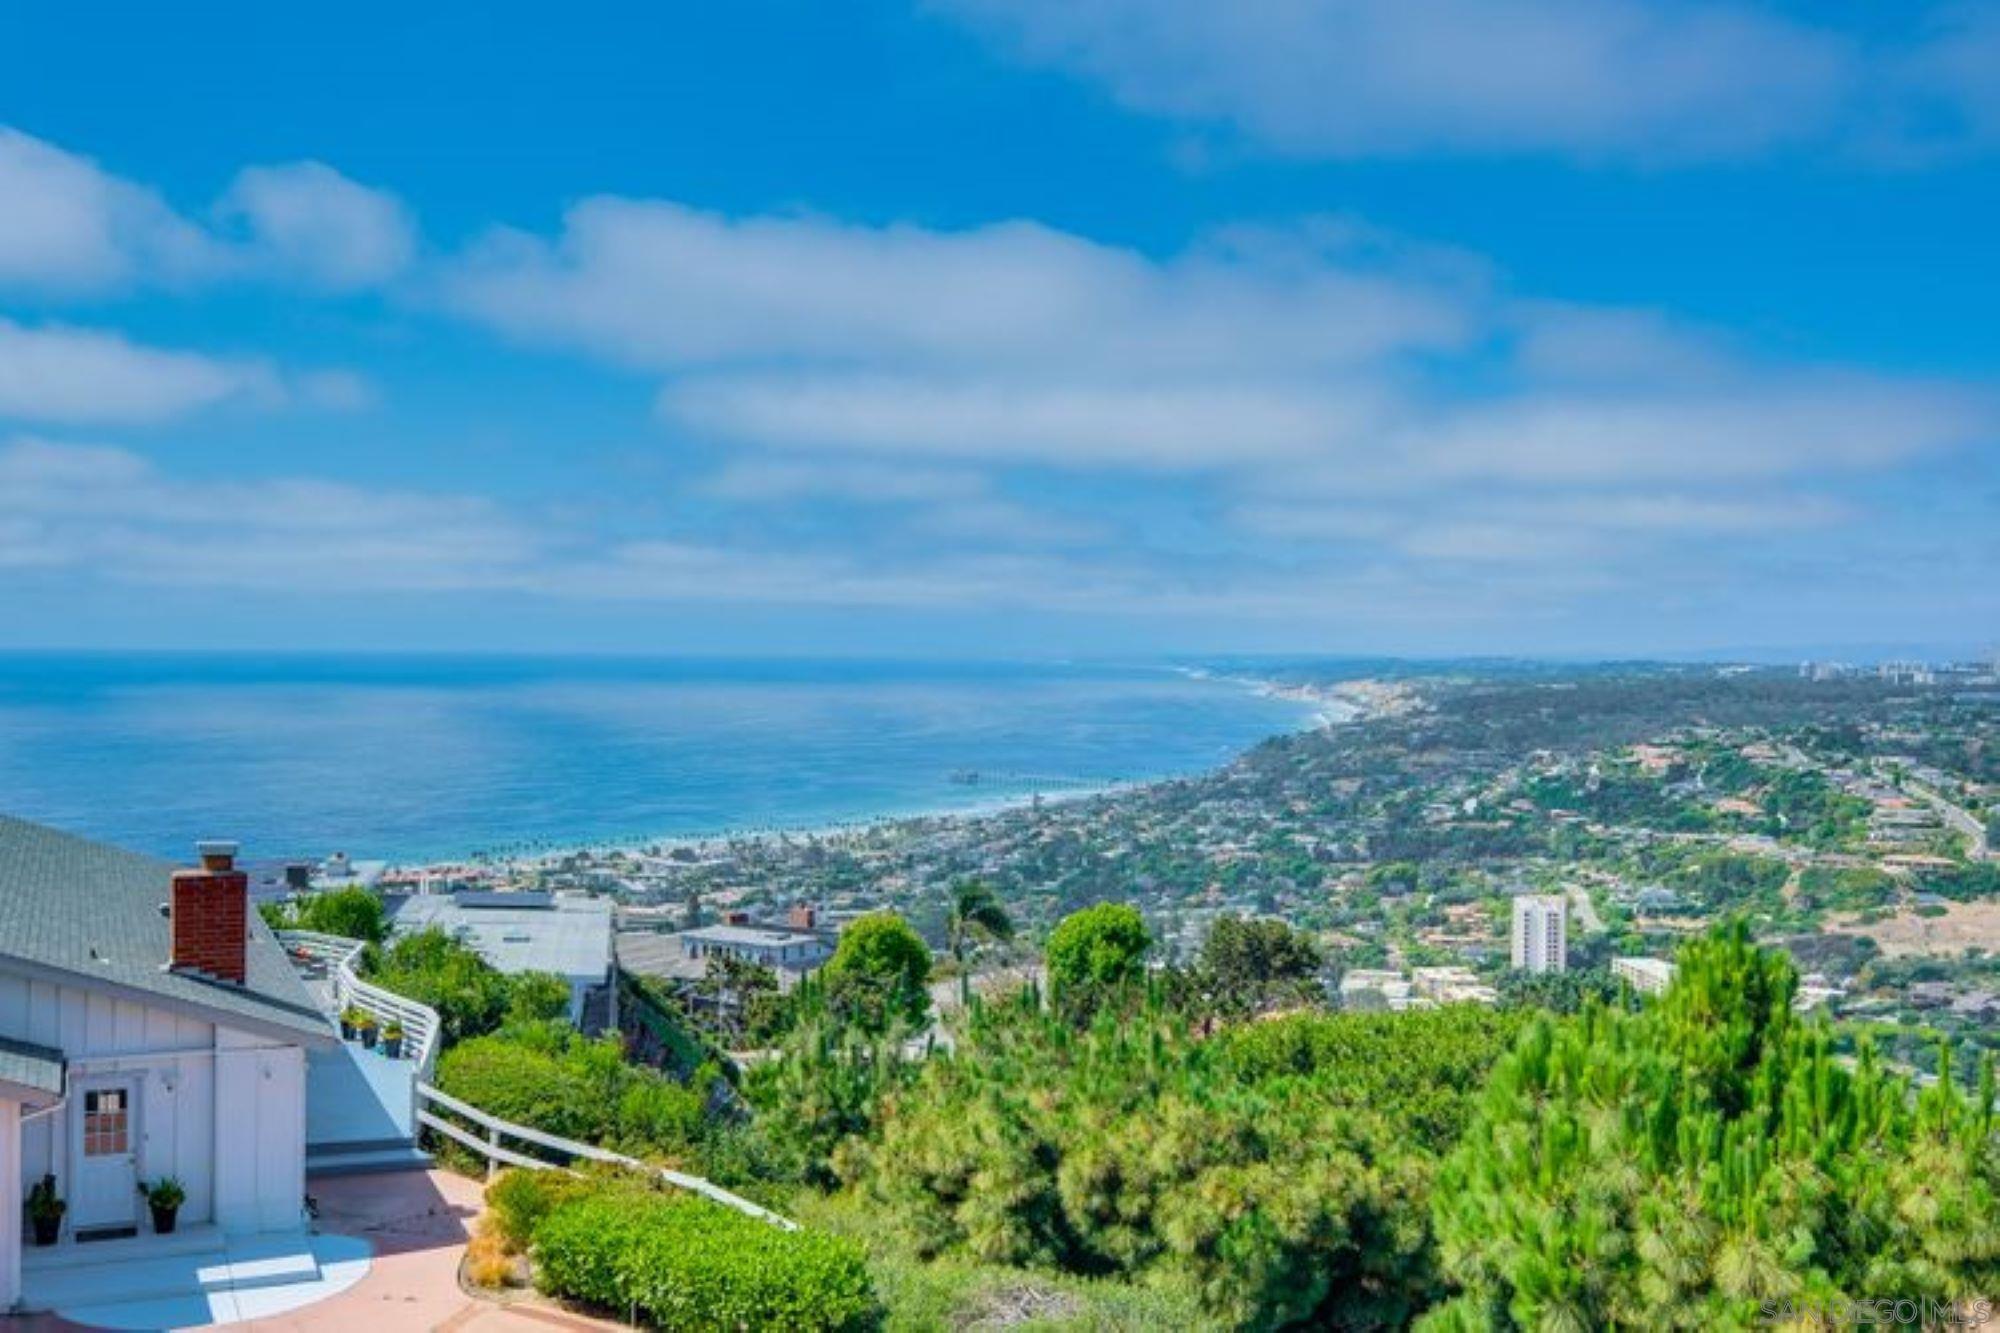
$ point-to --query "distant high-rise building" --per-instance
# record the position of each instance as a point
(1541, 938)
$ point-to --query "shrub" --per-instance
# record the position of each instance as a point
(687, 1264)
(1094, 951)
(487, 1260)
(877, 977)
(548, 1077)
(354, 913)
(518, 1201)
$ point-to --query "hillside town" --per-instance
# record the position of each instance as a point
(1849, 816)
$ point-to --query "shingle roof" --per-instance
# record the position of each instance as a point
(91, 910)
(31, 1066)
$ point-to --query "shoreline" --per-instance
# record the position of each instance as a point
(1334, 705)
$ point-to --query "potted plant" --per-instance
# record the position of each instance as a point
(350, 1022)
(365, 1026)
(45, 1210)
(165, 1197)
(392, 1040)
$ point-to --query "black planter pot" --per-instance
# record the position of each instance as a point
(346, 1030)
(392, 1047)
(368, 1038)
(163, 1220)
(47, 1229)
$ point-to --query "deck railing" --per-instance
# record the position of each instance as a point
(490, 1146)
(421, 1031)
(338, 956)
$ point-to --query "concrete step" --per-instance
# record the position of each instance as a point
(366, 1161)
(342, 1147)
(188, 1238)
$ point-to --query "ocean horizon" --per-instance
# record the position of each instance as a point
(435, 757)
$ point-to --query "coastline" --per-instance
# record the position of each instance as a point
(1333, 705)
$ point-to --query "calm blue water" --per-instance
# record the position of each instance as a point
(421, 758)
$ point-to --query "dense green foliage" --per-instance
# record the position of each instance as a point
(1566, 992)
(683, 1263)
(878, 974)
(471, 996)
(1248, 966)
(1279, 1172)
(1094, 952)
(547, 1076)
(353, 913)
(1684, 1165)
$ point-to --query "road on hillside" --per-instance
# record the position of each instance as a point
(1958, 817)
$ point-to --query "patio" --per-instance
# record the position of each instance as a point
(388, 1261)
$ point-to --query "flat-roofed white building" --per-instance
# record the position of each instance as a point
(568, 934)
(782, 950)
(1647, 976)
(1541, 932)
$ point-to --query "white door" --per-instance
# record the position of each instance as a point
(105, 1192)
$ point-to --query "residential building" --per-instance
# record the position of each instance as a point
(1541, 939)
(1647, 976)
(568, 934)
(1362, 987)
(150, 1026)
(782, 950)
(1452, 985)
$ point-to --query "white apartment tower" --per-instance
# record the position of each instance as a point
(1541, 940)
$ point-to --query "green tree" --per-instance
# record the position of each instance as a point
(976, 914)
(353, 913)
(878, 975)
(536, 997)
(1687, 1165)
(1095, 952)
(1252, 965)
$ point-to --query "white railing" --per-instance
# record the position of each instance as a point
(490, 1147)
(419, 1022)
(421, 1030)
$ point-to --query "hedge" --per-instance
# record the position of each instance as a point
(687, 1264)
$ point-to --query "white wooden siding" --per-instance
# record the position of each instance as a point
(222, 1110)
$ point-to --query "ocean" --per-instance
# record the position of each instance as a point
(430, 758)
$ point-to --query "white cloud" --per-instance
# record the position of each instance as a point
(666, 287)
(108, 512)
(1648, 78)
(69, 226)
(1790, 425)
(58, 374)
(777, 480)
(65, 375)
(66, 224)
(1155, 424)
(1528, 528)
(308, 221)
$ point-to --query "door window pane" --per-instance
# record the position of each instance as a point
(106, 1121)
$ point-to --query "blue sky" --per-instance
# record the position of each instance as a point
(1017, 327)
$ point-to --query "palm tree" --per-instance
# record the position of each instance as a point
(976, 914)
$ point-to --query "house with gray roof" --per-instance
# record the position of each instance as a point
(150, 1026)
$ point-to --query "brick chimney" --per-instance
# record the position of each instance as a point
(803, 917)
(211, 915)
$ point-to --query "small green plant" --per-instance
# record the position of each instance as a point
(166, 1192)
(364, 1021)
(393, 1032)
(44, 1202)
